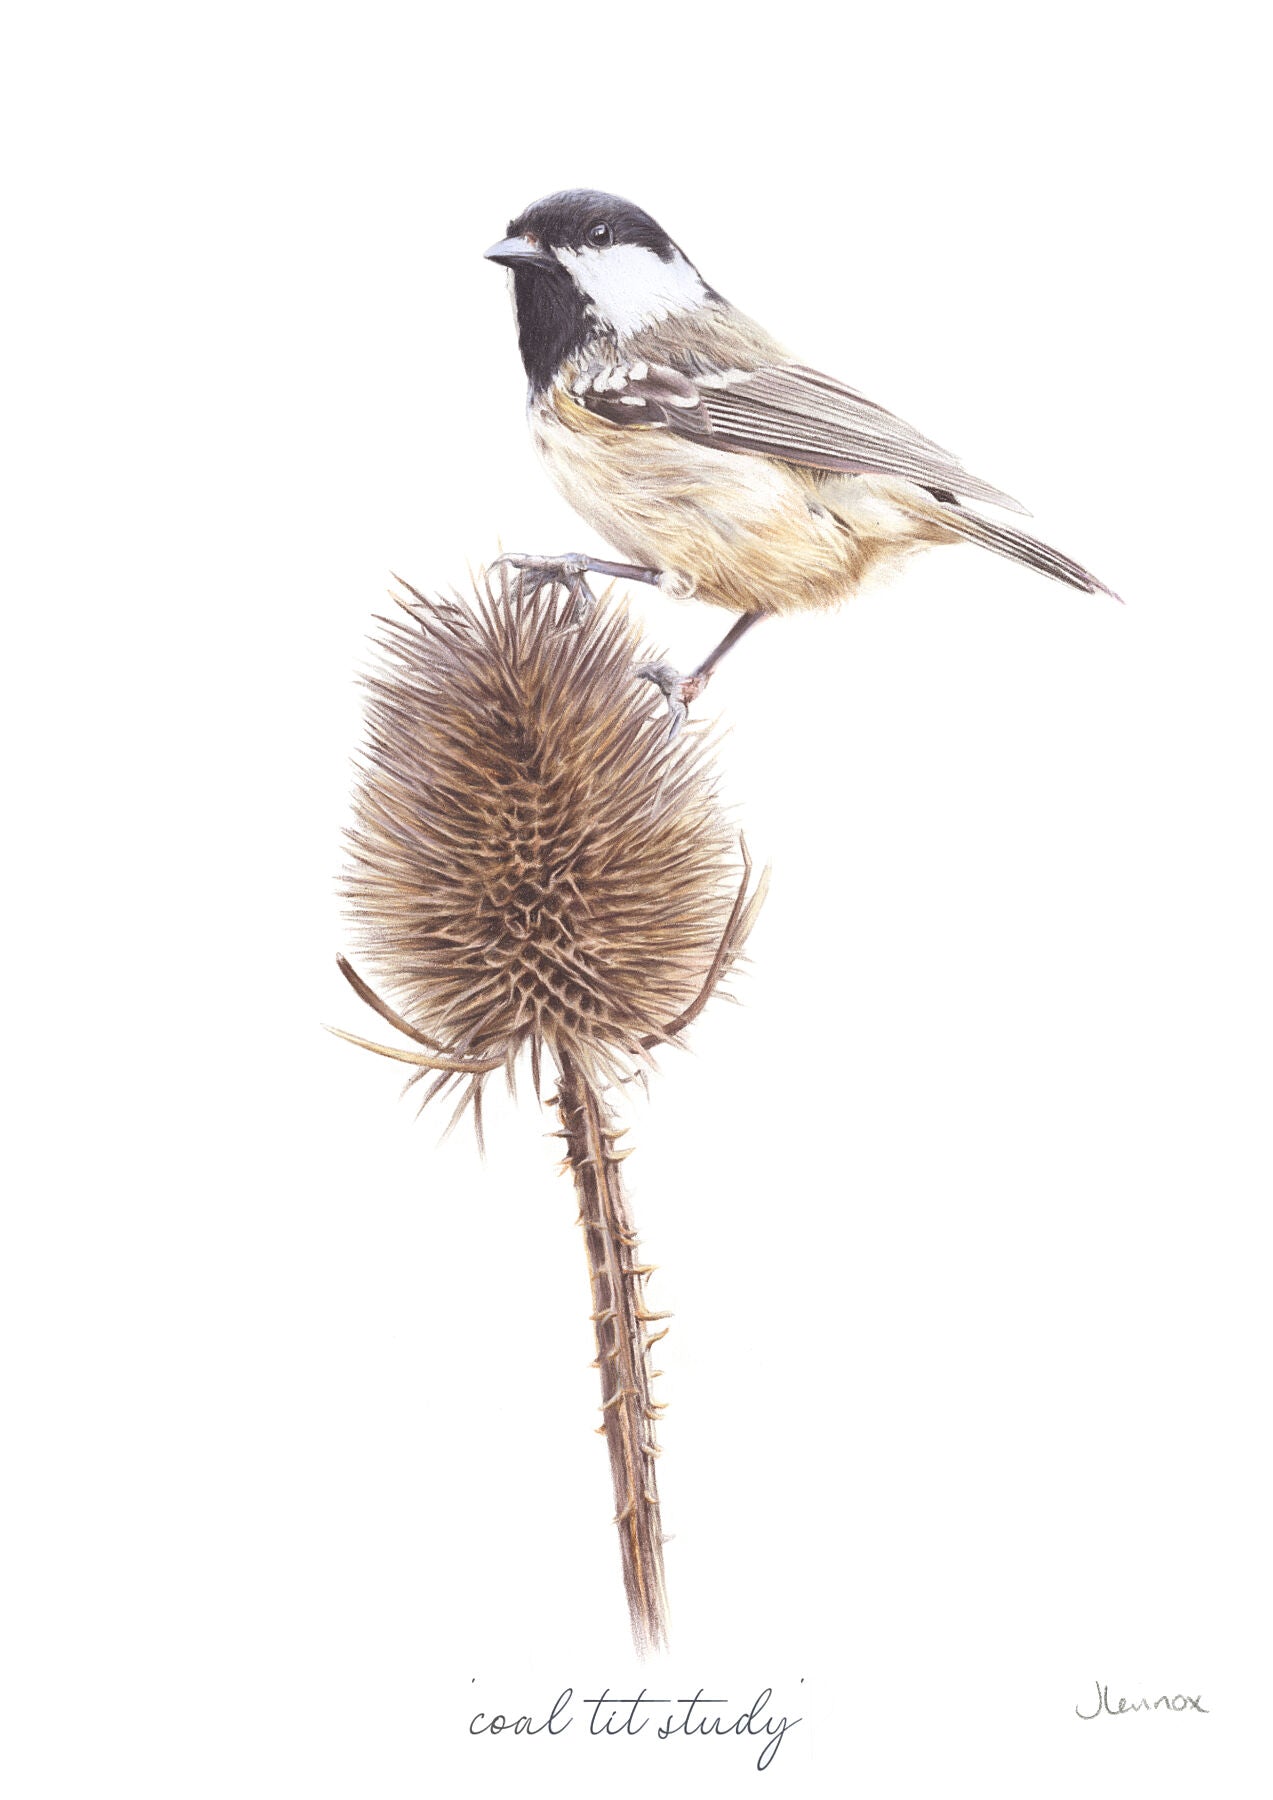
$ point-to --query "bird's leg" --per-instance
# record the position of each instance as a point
(680, 691)
(571, 572)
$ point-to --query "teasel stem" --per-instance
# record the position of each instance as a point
(620, 1316)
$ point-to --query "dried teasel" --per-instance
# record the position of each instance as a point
(539, 872)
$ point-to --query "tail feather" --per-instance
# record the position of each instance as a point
(1018, 546)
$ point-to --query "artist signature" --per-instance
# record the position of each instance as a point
(1173, 1703)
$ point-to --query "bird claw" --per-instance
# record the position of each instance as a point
(680, 691)
(568, 572)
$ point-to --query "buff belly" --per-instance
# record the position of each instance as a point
(748, 533)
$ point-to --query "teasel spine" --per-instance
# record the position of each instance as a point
(620, 1317)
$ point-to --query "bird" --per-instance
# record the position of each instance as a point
(723, 467)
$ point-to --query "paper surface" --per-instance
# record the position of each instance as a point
(961, 1213)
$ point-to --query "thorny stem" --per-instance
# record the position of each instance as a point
(619, 1311)
(620, 1316)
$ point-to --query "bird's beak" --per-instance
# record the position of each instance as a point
(516, 251)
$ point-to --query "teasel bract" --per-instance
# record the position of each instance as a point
(541, 878)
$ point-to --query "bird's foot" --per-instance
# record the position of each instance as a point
(568, 572)
(571, 572)
(680, 691)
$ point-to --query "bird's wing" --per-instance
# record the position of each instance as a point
(781, 410)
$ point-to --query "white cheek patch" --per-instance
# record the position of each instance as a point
(631, 287)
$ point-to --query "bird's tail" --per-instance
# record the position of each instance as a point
(1018, 546)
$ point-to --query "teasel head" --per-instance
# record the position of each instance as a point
(536, 869)
(540, 874)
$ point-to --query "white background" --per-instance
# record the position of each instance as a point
(962, 1214)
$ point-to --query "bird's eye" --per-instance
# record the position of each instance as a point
(600, 234)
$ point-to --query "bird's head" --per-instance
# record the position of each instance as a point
(586, 265)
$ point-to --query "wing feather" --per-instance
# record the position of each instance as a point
(786, 411)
